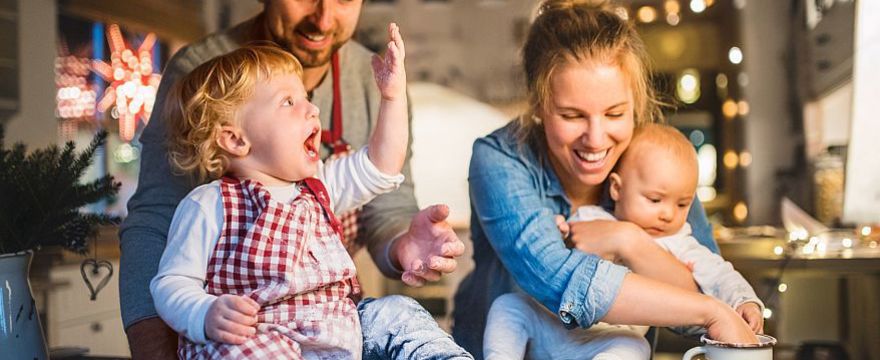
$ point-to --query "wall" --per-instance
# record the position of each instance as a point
(35, 123)
(768, 131)
(862, 192)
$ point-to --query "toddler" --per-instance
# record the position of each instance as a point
(254, 266)
(652, 186)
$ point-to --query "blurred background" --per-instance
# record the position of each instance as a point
(774, 94)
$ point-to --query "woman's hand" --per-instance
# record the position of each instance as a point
(728, 326)
(231, 319)
(606, 238)
(627, 244)
(751, 313)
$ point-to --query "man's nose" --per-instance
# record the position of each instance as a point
(323, 14)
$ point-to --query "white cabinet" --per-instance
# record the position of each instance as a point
(72, 319)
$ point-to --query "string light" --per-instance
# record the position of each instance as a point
(735, 55)
(768, 313)
(697, 6)
(740, 211)
(778, 250)
(646, 14)
(742, 107)
(782, 287)
(729, 109)
(730, 159)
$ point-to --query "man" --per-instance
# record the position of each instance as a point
(416, 246)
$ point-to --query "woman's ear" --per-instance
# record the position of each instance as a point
(232, 140)
(616, 183)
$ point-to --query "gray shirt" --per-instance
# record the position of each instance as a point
(144, 232)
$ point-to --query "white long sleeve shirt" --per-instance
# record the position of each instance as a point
(715, 276)
(178, 288)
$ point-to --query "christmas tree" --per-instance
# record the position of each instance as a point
(41, 197)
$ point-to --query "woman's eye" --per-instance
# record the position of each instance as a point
(570, 116)
(614, 115)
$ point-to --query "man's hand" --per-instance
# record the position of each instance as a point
(151, 339)
(231, 319)
(429, 248)
(751, 313)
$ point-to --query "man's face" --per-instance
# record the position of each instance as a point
(312, 29)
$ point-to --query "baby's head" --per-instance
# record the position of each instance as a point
(654, 182)
(245, 110)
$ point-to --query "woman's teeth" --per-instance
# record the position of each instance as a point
(591, 156)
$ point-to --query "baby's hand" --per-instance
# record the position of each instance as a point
(388, 70)
(231, 319)
(751, 313)
(562, 225)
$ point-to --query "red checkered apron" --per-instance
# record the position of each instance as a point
(339, 147)
(289, 258)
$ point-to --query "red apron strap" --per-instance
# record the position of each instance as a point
(333, 136)
(316, 187)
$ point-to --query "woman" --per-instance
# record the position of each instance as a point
(588, 88)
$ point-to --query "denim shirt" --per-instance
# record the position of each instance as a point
(515, 195)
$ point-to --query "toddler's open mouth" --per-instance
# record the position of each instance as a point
(312, 142)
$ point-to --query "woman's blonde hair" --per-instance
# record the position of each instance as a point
(208, 98)
(583, 30)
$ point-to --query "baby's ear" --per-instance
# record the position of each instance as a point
(616, 183)
(232, 140)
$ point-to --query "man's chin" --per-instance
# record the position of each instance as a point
(312, 58)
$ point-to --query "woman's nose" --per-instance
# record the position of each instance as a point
(595, 133)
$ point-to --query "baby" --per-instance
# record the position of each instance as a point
(653, 186)
(254, 266)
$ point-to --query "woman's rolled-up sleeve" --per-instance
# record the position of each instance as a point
(519, 224)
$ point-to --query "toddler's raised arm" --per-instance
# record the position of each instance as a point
(387, 147)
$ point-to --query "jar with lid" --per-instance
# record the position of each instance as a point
(828, 182)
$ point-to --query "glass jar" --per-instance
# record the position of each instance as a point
(828, 182)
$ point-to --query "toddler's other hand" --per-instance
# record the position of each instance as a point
(231, 319)
(564, 228)
(389, 70)
(751, 313)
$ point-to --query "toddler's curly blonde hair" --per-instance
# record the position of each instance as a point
(210, 96)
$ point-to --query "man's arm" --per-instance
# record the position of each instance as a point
(143, 233)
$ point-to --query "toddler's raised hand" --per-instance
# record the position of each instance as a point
(231, 319)
(751, 313)
(389, 70)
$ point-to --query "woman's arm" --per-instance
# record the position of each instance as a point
(627, 244)
(508, 200)
(642, 301)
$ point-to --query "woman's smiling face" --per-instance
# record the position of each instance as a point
(588, 122)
